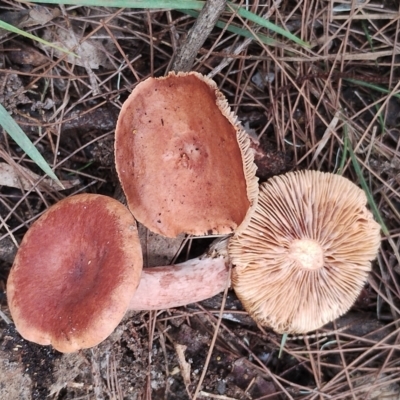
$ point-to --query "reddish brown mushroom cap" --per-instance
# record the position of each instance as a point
(183, 161)
(75, 273)
(306, 253)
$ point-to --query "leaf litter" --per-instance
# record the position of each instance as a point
(299, 119)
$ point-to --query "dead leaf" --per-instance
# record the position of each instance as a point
(40, 15)
(91, 53)
(26, 55)
(12, 91)
(23, 178)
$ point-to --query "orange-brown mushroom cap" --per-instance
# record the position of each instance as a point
(306, 253)
(75, 273)
(183, 160)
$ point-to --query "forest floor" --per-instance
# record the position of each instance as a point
(307, 108)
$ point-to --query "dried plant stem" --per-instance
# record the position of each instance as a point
(5, 318)
(196, 37)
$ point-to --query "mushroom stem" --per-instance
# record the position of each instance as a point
(177, 285)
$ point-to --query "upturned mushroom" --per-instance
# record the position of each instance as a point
(75, 273)
(306, 253)
(78, 268)
(182, 158)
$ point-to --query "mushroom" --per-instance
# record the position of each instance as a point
(306, 252)
(181, 284)
(182, 158)
(79, 265)
(75, 273)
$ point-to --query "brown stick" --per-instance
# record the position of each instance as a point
(196, 37)
(181, 284)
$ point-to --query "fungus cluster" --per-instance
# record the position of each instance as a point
(172, 157)
(306, 253)
(301, 250)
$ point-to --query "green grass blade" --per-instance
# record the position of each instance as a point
(369, 38)
(267, 24)
(169, 4)
(282, 346)
(372, 86)
(13, 129)
(13, 29)
(371, 201)
(238, 31)
(380, 117)
(344, 155)
(368, 35)
(179, 5)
